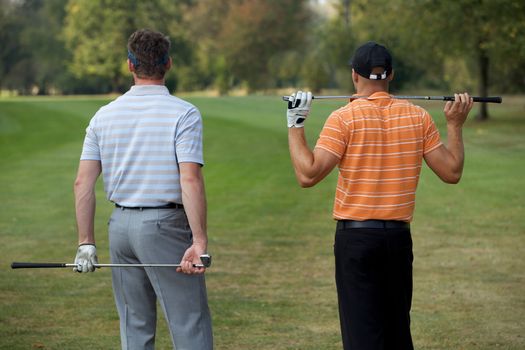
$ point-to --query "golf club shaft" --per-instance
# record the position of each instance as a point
(143, 265)
(29, 265)
(205, 259)
(491, 99)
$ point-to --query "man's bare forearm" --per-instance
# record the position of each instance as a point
(85, 201)
(310, 166)
(301, 155)
(85, 204)
(456, 148)
(194, 200)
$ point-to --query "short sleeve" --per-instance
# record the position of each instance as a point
(90, 150)
(431, 137)
(188, 138)
(333, 136)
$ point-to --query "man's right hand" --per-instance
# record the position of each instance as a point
(298, 108)
(457, 111)
(86, 258)
(191, 257)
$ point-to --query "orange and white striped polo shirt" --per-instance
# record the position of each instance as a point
(380, 142)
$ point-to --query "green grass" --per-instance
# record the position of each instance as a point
(272, 284)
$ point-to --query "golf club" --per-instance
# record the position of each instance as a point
(206, 262)
(492, 99)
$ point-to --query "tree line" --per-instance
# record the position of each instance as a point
(79, 46)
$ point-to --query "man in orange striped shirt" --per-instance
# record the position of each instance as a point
(378, 143)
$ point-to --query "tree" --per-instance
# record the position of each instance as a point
(96, 32)
(203, 21)
(10, 51)
(331, 46)
(482, 30)
(48, 52)
(481, 33)
(254, 31)
(31, 59)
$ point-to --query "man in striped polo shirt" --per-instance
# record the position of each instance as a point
(378, 143)
(148, 146)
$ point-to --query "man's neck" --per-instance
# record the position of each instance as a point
(370, 90)
(142, 81)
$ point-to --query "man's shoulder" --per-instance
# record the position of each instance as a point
(347, 110)
(402, 103)
(126, 102)
(173, 103)
(181, 102)
(111, 104)
(359, 108)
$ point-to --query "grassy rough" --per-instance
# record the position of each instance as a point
(271, 286)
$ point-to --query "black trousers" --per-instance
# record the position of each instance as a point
(373, 271)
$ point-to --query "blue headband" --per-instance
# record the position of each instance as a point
(164, 60)
(135, 61)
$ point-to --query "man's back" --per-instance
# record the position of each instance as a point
(139, 139)
(380, 142)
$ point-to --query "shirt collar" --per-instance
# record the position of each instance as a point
(142, 90)
(380, 94)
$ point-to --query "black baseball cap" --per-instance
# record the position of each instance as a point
(371, 55)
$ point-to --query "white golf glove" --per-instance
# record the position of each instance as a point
(86, 257)
(298, 108)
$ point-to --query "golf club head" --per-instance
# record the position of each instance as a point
(206, 260)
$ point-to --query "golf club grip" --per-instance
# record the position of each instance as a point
(27, 265)
(493, 99)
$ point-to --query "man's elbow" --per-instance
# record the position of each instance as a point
(452, 178)
(306, 182)
(78, 184)
(82, 185)
(191, 180)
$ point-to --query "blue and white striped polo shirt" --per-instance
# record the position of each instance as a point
(140, 138)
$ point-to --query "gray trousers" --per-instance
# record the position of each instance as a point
(156, 236)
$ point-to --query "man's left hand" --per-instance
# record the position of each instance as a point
(86, 258)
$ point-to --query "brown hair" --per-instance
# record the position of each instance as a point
(149, 53)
